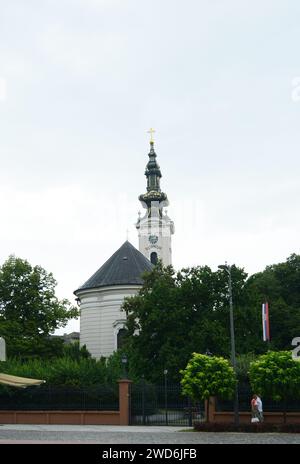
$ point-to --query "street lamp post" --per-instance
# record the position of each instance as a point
(226, 267)
(124, 364)
(143, 399)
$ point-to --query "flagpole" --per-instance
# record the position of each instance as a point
(268, 326)
(266, 323)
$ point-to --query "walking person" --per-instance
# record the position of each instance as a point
(259, 408)
(254, 409)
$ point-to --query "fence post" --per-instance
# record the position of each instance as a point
(166, 395)
(190, 413)
(124, 401)
(143, 400)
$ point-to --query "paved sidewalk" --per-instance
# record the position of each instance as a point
(103, 434)
(102, 428)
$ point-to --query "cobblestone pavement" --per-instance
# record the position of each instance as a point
(132, 435)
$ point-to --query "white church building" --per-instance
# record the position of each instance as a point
(101, 319)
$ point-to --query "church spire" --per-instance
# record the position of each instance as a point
(153, 174)
(155, 228)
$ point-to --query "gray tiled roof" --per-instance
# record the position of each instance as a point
(124, 267)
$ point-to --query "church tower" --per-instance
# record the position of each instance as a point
(155, 227)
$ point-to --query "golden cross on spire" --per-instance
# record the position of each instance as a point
(151, 132)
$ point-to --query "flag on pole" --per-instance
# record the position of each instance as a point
(265, 322)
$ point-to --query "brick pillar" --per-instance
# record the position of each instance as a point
(210, 417)
(124, 401)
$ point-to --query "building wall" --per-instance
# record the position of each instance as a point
(101, 317)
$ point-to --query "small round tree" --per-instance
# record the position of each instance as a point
(276, 375)
(206, 376)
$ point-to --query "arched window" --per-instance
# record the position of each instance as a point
(120, 338)
(153, 257)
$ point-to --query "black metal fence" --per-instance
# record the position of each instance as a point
(149, 404)
(102, 397)
(245, 395)
(163, 405)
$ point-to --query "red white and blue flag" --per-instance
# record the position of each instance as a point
(265, 322)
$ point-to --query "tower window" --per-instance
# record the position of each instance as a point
(153, 258)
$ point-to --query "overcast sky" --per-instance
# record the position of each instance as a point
(81, 82)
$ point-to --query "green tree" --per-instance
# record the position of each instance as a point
(176, 314)
(279, 284)
(29, 310)
(243, 362)
(276, 375)
(206, 376)
(115, 368)
(75, 351)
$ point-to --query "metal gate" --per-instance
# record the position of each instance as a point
(163, 405)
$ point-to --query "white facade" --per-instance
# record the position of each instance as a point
(155, 237)
(101, 317)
